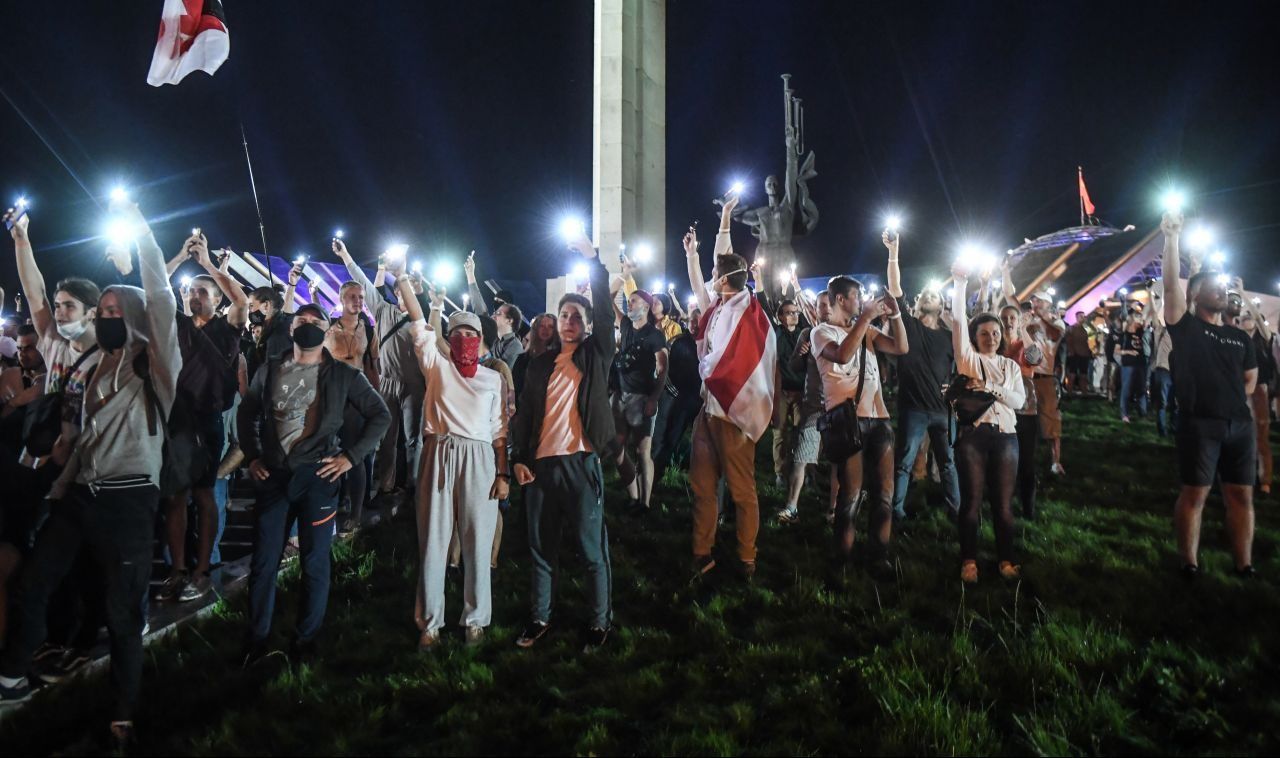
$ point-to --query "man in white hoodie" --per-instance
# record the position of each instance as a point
(107, 496)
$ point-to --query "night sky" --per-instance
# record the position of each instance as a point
(468, 125)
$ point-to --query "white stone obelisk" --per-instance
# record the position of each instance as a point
(629, 119)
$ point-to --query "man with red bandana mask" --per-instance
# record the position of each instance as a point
(464, 466)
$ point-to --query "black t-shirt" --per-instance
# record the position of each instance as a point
(926, 365)
(637, 358)
(1208, 375)
(683, 366)
(1132, 346)
(792, 381)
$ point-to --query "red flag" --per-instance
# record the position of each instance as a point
(1084, 194)
(193, 37)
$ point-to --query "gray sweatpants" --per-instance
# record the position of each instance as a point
(453, 490)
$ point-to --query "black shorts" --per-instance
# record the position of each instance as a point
(1211, 445)
(214, 436)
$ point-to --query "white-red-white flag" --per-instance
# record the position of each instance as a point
(193, 37)
(737, 353)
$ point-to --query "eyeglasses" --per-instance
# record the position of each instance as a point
(790, 313)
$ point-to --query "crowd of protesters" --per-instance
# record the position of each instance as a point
(125, 407)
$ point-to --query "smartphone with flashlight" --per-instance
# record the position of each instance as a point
(19, 212)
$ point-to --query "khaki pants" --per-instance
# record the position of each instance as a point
(784, 435)
(722, 449)
(1047, 406)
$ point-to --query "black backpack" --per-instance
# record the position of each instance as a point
(42, 422)
(186, 455)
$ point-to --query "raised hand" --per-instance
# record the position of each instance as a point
(295, 273)
(583, 245)
(1171, 224)
(20, 223)
(469, 267)
(890, 241)
(340, 250)
(959, 272)
(690, 242)
(890, 305)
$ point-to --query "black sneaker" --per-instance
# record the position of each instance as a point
(18, 693)
(1247, 572)
(48, 650)
(594, 639)
(1190, 571)
(747, 570)
(54, 671)
(532, 632)
(303, 651)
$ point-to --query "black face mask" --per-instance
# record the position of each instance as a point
(257, 318)
(308, 336)
(111, 332)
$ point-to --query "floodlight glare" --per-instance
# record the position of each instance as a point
(572, 228)
(1200, 238)
(693, 300)
(118, 194)
(657, 285)
(397, 252)
(1218, 258)
(579, 273)
(119, 232)
(1173, 201)
(933, 286)
(873, 288)
(444, 271)
(417, 267)
(644, 253)
(736, 188)
(21, 203)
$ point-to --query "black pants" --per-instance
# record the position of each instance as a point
(1028, 434)
(988, 463)
(313, 501)
(116, 527)
(675, 417)
(355, 483)
(871, 469)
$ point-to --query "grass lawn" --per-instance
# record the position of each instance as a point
(1101, 648)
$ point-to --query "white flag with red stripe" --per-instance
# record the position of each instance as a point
(193, 37)
(737, 353)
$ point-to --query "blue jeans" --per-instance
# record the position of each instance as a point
(567, 497)
(912, 426)
(1162, 393)
(314, 502)
(1133, 380)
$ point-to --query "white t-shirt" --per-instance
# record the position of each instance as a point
(474, 408)
(840, 380)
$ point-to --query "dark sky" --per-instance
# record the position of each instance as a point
(468, 125)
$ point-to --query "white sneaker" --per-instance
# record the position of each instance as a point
(1057, 470)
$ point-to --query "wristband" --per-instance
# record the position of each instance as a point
(896, 315)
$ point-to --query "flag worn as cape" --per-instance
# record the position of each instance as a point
(737, 353)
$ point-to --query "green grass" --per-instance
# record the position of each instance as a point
(1100, 649)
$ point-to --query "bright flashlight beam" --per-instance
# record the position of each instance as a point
(1218, 258)
(186, 282)
(338, 234)
(1223, 279)
(21, 203)
(579, 273)
(934, 285)
(736, 188)
(1124, 290)
(444, 272)
(119, 194)
(893, 222)
(397, 252)
(1052, 291)
(119, 233)
(1200, 238)
(1173, 201)
(657, 285)
(572, 228)
(644, 253)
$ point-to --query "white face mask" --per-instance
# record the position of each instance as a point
(72, 330)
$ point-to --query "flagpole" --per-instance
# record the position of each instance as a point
(262, 230)
(1079, 184)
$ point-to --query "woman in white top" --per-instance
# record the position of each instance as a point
(987, 450)
(841, 347)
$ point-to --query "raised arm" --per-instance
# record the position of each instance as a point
(29, 274)
(790, 188)
(893, 277)
(895, 342)
(604, 319)
(238, 310)
(1006, 283)
(478, 303)
(162, 307)
(844, 352)
(964, 354)
(694, 266)
(372, 295)
(1175, 300)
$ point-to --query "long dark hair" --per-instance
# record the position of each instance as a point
(987, 318)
